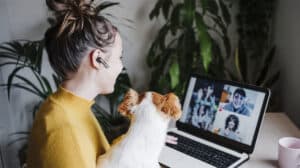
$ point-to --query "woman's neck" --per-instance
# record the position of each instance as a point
(81, 88)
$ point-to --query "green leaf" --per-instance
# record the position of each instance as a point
(9, 63)
(4, 47)
(227, 45)
(204, 5)
(176, 17)
(243, 65)
(8, 55)
(10, 79)
(152, 56)
(48, 86)
(162, 36)
(211, 6)
(225, 12)
(20, 86)
(30, 84)
(39, 54)
(237, 63)
(17, 140)
(166, 8)
(205, 42)
(19, 133)
(156, 9)
(57, 80)
(189, 12)
(174, 74)
(38, 77)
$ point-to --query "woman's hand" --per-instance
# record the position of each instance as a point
(171, 139)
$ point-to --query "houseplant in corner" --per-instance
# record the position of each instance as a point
(255, 53)
(186, 42)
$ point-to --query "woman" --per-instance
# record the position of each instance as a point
(85, 50)
(231, 126)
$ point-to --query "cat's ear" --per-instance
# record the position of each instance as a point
(172, 106)
(130, 99)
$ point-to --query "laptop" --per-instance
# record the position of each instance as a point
(219, 124)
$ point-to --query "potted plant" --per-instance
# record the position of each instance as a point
(254, 55)
(185, 42)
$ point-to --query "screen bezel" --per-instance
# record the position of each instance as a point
(237, 146)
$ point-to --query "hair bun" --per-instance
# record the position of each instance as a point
(61, 7)
(71, 13)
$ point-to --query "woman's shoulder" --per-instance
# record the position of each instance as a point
(51, 116)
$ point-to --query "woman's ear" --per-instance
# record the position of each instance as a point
(94, 56)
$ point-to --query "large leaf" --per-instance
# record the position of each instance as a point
(189, 12)
(10, 79)
(163, 32)
(38, 77)
(152, 56)
(10, 63)
(48, 86)
(237, 63)
(39, 55)
(156, 9)
(174, 74)
(21, 86)
(167, 4)
(57, 80)
(205, 42)
(31, 85)
(242, 63)
(227, 45)
(176, 17)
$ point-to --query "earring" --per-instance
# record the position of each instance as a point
(101, 61)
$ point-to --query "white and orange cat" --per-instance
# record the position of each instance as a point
(141, 146)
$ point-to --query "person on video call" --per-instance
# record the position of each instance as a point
(231, 126)
(237, 104)
(200, 117)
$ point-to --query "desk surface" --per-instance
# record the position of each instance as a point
(275, 126)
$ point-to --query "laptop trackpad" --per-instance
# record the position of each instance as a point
(176, 159)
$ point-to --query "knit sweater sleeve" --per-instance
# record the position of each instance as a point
(63, 151)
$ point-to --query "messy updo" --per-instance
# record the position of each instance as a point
(78, 27)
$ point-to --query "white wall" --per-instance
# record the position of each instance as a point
(287, 39)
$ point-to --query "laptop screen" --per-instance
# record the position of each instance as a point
(223, 109)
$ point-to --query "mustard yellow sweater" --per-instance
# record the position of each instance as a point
(65, 134)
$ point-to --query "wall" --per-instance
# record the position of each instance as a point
(287, 39)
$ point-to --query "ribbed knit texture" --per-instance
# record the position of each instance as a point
(65, 134)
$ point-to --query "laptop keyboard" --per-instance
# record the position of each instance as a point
(202, 152)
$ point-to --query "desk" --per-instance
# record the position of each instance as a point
(274, 126)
